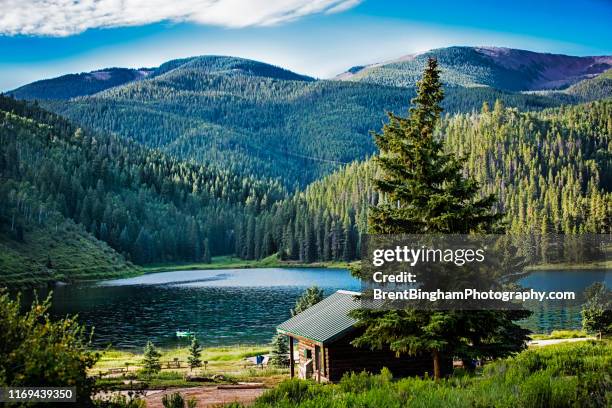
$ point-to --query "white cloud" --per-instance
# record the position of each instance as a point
(67, 17)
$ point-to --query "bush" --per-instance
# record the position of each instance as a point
(292, 391)
(357, 382)
(120, 401)
(35, 351)
(176, 400)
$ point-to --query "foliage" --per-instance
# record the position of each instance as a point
(575, 374)
(35, 351)
(597, 311)
(176, 400)
(310, 297)
(150, 362)
(195, 352)
(279, 355)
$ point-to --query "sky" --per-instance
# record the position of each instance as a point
(46, 38)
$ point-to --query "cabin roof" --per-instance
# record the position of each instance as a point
(325, 321)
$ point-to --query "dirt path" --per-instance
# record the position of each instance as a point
(210, 396)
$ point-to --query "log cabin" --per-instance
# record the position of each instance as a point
(322, 335)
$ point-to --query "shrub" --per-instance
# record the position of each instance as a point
(176, 400)
(120, 401)
(292, 391)
(35, 351)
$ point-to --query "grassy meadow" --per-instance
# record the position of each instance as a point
(224, 365)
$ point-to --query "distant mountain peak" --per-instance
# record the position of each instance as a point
(81, 84)
(498, 67)
(227, 65)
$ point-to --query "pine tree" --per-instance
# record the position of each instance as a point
(425, 192)
(279, 356)
(195, 351)
(150, 362)
(597, 310)
(310, 297)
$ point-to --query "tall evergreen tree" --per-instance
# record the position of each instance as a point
(195, 352)
(424, 192)
(150, 362)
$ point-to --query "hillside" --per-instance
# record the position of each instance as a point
(500, 68)
(252, 118)
(145, 206)
(551, 172)
(593, 88)
(85, 83)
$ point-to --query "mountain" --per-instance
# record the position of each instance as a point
(85, 83)
(252, 118)
(76, 204)
(500, 68)
(244, 116)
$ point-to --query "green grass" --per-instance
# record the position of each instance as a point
(607, 264)
(563, 375)
(229, 362)
(218, 357)
(561, 334)
(74, 255)
(230, 262)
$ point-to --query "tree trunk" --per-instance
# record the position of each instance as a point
(436, 364)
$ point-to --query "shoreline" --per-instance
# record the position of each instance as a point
(230, 262)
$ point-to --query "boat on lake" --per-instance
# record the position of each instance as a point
(184, 333)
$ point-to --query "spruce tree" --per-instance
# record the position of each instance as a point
(310, 297)
(424, 192)
(279, 356)
(195, 352)
(150, 362)
(597, 310)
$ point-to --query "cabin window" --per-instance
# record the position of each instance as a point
(307, 353)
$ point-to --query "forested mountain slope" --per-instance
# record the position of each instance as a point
(85, 83)
(144, 205)
(500, 68)
(593, 88)
(252, 118)
(551, 172)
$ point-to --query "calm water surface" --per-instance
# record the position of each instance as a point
(243, 306)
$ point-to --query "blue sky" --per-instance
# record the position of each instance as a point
(41, 39)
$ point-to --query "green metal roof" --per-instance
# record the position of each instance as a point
(324, 321)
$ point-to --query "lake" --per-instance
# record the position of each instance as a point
(243, 306)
